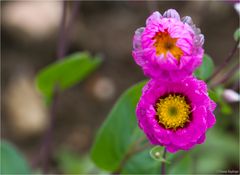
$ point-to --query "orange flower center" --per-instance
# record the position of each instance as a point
(164, 43)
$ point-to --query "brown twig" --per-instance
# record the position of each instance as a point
(68, 29)
(226, 76)
(46, 151)
(163, 167)
(61, 47)
(226, 61)
(47, 143)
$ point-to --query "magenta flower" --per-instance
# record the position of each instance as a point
(168, 47)
(175, 114)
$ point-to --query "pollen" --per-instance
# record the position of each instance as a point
(164, 43)
(173, 111)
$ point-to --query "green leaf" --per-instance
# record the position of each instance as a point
(183, 166)
(206, 69)
(226, 109)
(72, 163)
(237, 34)
(216, 95)
(65, 73)
(219, 151)
(12, 161)
(119, 131)
(142, 163)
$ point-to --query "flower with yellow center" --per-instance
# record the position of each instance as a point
(173, 111)
(175, 114)
(165, 43)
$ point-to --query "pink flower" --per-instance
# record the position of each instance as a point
(175, 114)
(168, 47)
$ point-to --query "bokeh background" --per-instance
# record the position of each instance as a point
(29, 36)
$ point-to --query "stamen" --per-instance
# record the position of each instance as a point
(164, 43)
(173, 111)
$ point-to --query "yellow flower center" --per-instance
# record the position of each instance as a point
(173, 111)
(164, 43)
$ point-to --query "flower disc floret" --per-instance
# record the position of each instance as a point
(173, 111)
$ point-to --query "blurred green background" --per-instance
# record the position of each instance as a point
(29, 36)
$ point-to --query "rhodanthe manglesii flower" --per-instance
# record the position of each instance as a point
(168, 47)
(175, 114)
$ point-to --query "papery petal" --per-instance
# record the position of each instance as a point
(171, 13)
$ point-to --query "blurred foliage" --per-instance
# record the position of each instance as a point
(236, 34)
(113, 142)
(119, 134)
(12, 161)
(141, 163)
(70, 162)
(206, 69)
(65, 73)
(217, 153)
(113, 149)
(184, 166)
(216, 95)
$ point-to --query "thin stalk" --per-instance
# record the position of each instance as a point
(68, 29)
(47, 144)
(163, 167)
(226, 76)
(61, 47)
(226, 61)
(61, 52)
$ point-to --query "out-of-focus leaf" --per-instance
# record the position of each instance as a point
(217, 153)
(237, 34)
(206, 69)
(183, 166)
(226, 109)
(210, 164)
(119, 131)
(65, 73)
(216, 95)
(213, 95)
(72, 163)
(142, 163)
(12, 161)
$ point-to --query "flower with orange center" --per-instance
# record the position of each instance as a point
(168, 47)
